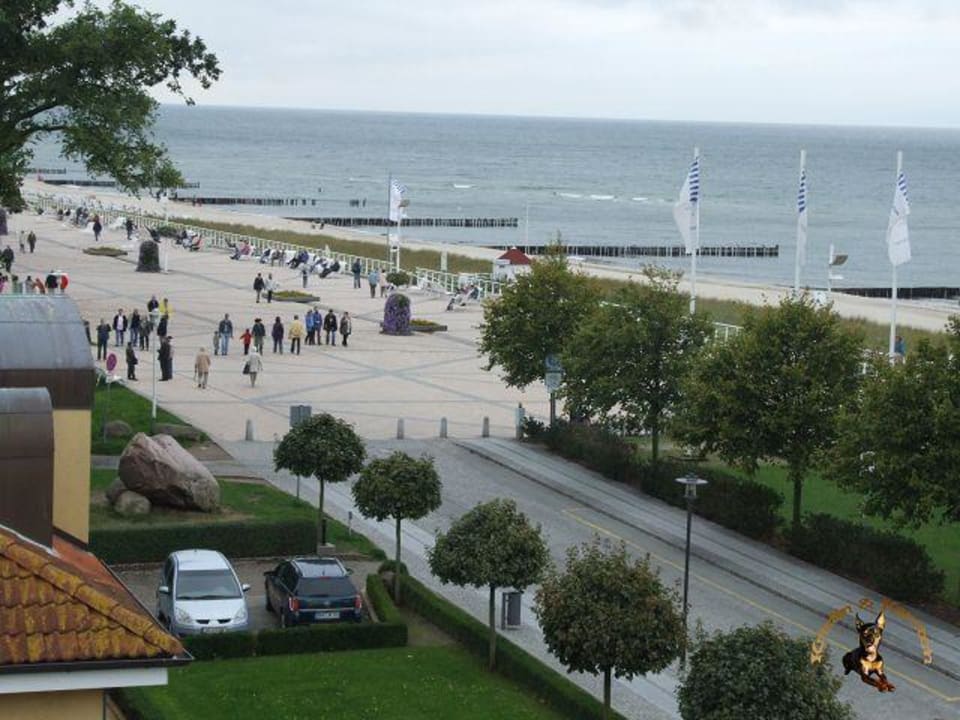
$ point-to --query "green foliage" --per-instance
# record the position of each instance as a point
(896, 566)
(551, 688)
(387, 566)
(774, 390)
(533, 318)
(222, 645)
(381, 601)
(626, 360)
(86, 74)
(295, 296)
(104, 251)
(398, 486)
(128, 406)
(605, 613)
(758, 673)
(398, 278)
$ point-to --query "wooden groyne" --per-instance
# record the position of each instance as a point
(46, 171)
(262, 201)
(413, 222)
(665, 251)
(87, 182)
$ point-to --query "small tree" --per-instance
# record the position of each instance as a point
(493, 546)
(758, 673)
(607, 614)
(323, 447)
(398, 486)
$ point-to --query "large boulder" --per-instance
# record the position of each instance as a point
(114, 490)
(131, 503)
(118, 429)
(162, 471)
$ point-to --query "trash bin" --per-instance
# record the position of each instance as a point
(299, 413)
(510, 609)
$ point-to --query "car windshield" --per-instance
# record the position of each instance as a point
(207, 585)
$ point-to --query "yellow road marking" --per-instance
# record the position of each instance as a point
(572, 513)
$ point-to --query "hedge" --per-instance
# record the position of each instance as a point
(894, 565)
(153, 543)
(514, 663)
(379, 597)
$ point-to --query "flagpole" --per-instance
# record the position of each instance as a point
(399, 223)
(696, 249)
(893, 284)
(796, 262)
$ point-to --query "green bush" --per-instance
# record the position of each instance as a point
(891, 564)
(221, 646)
(379, 598)
(533, 429)
(152, 543)
(398, 278)
(552, 688)
(389, 565)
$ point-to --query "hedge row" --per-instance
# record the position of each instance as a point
(741, 505)
(379, 598)
(552, 688)
(153, 543)
(892, 564)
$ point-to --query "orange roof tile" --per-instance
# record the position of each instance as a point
(65, 606)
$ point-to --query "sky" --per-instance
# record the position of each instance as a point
(850, 62)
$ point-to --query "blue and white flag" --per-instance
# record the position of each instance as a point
(397, 202)
(898, 235)
(802, 219)
(685, 208)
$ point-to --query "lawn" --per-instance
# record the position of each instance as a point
(409, 683)
(124, 405)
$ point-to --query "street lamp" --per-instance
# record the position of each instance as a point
(690, 485)
(154, 319)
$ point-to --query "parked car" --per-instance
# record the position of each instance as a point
(309, 590)
(199, 593)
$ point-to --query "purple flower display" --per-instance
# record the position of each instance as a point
(396, 315)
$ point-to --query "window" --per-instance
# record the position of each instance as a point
(207, 585)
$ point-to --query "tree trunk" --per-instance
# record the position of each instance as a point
(606, 694)
(322, 522)
(797, 479)
(654, 441)
(492, 660)
(396, 569)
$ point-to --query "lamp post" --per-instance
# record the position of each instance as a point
(690, 485)
(154, 319)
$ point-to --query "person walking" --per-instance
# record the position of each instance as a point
(245, 338)
(216, 340)
(131, 362)
(136, 324)
(271, 287)
(384, 283)
(6, 257)
(304, 275)
(356, 269)
(103, 337)
(201, 368)
(296, 334)
(346, 327)
(165, 308)
(277, 334)
(253, 367)
(258, 285)
(259, 333)
(152, 303)
(165, 353)
(146, 328)
(120, 327)
(374, 279)
(311, 327)
(97, 228)
(32, 240)
(330, 327)
(225, 329)
(162, 327)
(129, 226)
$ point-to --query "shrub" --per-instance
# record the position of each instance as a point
(295, 296)
(379, 598)
(552, 688)
(221, 646)
(398, 278)
(893, 565)
(104, 250)
(167, 231)
(533, 428)
(396, 315)
(152, 543)
(388, 566)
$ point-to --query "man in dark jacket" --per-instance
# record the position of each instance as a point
(103, 337)
(225, 332)
(356, 269)
(131, 362)
(120, 327)
(32, 240)
(7, 257)
(259, 332)
(330, 327)
(277, 334)
(258, 285)
(165, 354)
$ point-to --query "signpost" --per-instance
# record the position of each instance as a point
(553, 378)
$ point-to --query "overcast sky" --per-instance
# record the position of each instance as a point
(862, 62)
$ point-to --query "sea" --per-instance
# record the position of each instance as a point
(590, 182)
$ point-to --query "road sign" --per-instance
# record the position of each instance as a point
(552, 364)
(111, 362)
(552, 380)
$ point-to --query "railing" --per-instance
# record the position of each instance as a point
(448, 282)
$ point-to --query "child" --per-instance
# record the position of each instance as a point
(216, 341)
(246, 338)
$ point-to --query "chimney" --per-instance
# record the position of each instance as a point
(26, 463)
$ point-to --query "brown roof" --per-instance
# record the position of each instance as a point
(515, 257)
(65, 606)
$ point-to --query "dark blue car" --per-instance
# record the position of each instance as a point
(310, 590)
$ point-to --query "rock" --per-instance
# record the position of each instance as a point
(182, 432)
(118, 429)
(114, 490)
(131, 503)
(168, 475)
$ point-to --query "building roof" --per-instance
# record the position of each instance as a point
(515, 257)
(62, 605)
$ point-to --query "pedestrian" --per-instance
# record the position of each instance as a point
(152, 303)
(225, 328)
(253, 367)
(97, 228)
(346, 327)
(384, 283)
(32, 240)
(6, 257)
(311, 327)
(374, 279)
(245, 339)
(165, 308)
(899, 349)
(216, 340)
(162, 327)
(136, 325)
(356, 269)
(201, 368)
(271, 288)
(20, 240)
(330, 326)
(259, 333)
(131, 362)
(51, 283)
(258, 285)
(165, 354)
(304, 274)
(277, 334)
(146, 328)
(103, 337)
(129, 226)
(295, 334)
(120, 327)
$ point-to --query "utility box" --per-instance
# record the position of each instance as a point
(299, 413)
(510, 609)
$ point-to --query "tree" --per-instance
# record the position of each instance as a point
(85, 74)
(627, 358)
(323, 447)
(400, 487)
(534, 317)
(758, 673)
(899, 445)
(493, 546)
(608, 614)
(774, 390)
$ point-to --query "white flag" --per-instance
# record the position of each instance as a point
(397, 203)
(802, 220)
(898, 236)
(685, 208)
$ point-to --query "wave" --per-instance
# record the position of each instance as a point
(569, 195)
(640, 199)
(462, 186)
(602, 197)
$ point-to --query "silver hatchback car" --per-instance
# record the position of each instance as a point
(199, 593)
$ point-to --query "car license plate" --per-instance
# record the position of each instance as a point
(328, 614)
(212, 630)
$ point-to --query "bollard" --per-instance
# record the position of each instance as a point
(521, 416)
(485, 432)
(248, 434)
(443, 427)
(399, 428)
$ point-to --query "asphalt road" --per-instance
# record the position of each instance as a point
(733, 582)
